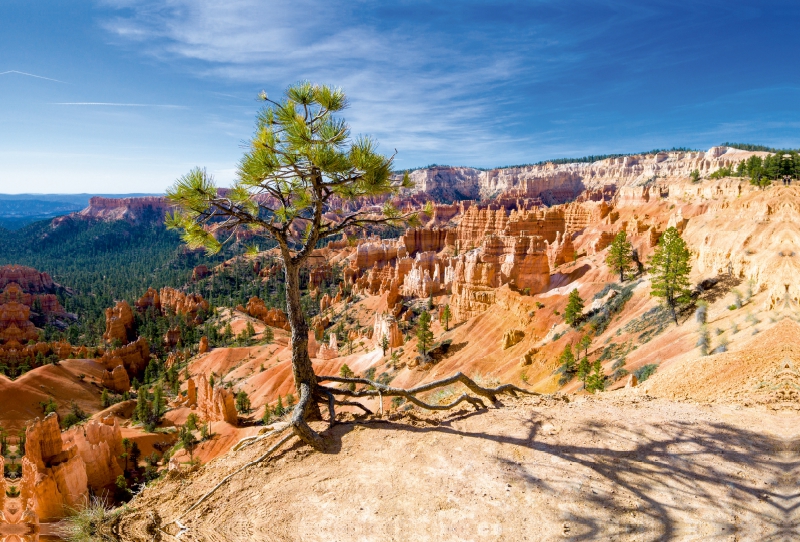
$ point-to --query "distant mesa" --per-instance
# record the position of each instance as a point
(133, 210)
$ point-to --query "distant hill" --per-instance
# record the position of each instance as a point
(19, 210)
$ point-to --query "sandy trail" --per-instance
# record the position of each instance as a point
(615, 467)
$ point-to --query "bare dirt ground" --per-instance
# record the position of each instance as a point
(619, 466)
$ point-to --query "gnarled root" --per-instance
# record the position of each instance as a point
(328, 395)
(376, 389)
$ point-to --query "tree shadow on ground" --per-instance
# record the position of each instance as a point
(679, 480)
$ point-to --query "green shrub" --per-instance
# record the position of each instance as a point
(645, 371)
(602, 318)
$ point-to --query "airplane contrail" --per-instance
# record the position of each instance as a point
(32, 75)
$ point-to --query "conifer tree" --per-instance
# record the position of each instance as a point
(142, 408)
(574, 310)
(597, 379)
(301, 169)
(584, 368)
(135, 454)
(670, 270)
(242, 402)
(566, 365)
(126, 445)
(620, 257)
(189, 441)
(446, 315)
(384, 343)
(584, 344)
(158, 402)
(424, 334)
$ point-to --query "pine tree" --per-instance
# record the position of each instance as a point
(135, 454)
(301, 155)
(192, 421)
(584, 344)
(126, 445)
(566, 365)
(104, 401)
(597, 379)
(574, 310)
(424, 334)
(446, 315)
(242, 402)
(346, 372)
(584, 368)
(384, 343)
(670, 270)
(142, 408)
(620, 257)
(250, 329)
(189, 441)
(158, 403)
(269, 335)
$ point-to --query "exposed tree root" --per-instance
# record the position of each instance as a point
(247, 441)
(269, 452)
(380, 390)
(376, 389)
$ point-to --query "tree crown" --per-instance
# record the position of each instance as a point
(300, 165)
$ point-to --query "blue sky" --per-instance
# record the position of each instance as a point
(124, 96)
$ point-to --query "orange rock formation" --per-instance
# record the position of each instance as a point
(272, 317)
(119, 323)
(215, 404)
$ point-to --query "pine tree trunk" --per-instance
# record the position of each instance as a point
(302, 370)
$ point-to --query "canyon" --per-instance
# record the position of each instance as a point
(493, 262)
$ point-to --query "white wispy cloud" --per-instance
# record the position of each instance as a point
(408, 84)
(9, 72)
